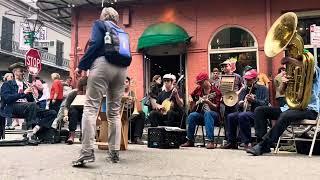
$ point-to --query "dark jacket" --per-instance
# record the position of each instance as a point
(95, 49)
(9, 95)
(261, 93)
(155, 89)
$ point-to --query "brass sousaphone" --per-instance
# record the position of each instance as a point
(230, 98)
(300, 67)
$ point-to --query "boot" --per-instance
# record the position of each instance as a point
(138, 140)
(230, 146)
(210, 145)
(71, 138)
(189, 143)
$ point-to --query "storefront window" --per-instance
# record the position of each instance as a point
(304, 30)
(236, 43)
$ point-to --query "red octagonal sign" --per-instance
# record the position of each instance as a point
(33, 61)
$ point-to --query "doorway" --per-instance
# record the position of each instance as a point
(161, 65)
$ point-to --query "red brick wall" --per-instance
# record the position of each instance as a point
(201, 19)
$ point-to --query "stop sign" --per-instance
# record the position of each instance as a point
(33, 61)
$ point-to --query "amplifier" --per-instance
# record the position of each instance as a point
(166, 137)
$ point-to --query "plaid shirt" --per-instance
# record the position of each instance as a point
(198, 92)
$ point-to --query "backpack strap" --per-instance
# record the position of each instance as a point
(107, 26)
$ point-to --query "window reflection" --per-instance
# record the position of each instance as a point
(232, 37)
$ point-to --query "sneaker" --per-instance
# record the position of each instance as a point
(114, 156)
(84, 158)
(33, 140)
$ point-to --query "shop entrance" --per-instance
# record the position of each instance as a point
(161, 65)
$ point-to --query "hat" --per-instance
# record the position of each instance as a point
(225, 62)
(251, 74)
(167, 76)
(201, 77)
(16, 65)
(173, 77)
(247, 68)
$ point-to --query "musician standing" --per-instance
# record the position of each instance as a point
(284, 116)
(174, 115)
(208, 113)
(252, 96)
(228, 68)
(106, 77)
(136, 120)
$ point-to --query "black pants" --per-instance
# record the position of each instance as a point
(281, 101)
(284, 121)
(172, 118)
(75, 116)
(46, 117)
(136, 125)
(264, 115)
(56, 105)
(34, 115)
(28, 111)
(228, 110)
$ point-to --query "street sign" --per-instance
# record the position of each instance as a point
(315, 35)
(33, 61)
(43, 44)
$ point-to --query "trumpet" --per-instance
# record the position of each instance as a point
(29, 85)
(135, 109)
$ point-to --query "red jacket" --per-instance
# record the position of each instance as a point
(198, 92)
(56, 88)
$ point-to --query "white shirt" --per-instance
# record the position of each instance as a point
(45, 92)
(20, 90)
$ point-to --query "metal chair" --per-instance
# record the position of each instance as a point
(195, 134)
(314, 123)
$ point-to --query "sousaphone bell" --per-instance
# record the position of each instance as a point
(230, 98)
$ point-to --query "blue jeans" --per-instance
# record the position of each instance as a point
(244, 121)
(197, 118)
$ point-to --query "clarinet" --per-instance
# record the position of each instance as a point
(29, 85)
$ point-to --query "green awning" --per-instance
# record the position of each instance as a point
(162, 34)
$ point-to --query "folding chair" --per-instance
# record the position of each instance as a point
(308, 122)
(203, 138)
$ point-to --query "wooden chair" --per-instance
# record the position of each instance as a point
(102, 136)
(314, 123)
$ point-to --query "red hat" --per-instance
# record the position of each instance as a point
(201, 77)
(251, 74)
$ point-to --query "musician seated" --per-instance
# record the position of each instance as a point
(17, 99)
(251, 97)
(284, 116)
(71, 114)
(160, 117)
(136, 120)
(207, 111)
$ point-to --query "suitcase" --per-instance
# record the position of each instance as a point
(166, 137)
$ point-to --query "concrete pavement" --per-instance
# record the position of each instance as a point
(140, 162)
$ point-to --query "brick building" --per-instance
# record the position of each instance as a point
(217, 30)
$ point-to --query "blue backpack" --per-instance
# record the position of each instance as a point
(116, 45)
